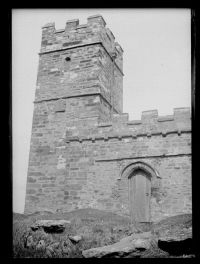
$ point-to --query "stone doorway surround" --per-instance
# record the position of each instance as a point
(138, 174)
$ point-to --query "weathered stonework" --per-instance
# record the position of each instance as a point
(83, 147)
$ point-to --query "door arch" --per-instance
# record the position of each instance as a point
(141, 178)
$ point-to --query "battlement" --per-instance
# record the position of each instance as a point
(150, 124)
(149, 116)
(74, 23)
(75, 35)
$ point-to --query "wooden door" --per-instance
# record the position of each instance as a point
(139, 196)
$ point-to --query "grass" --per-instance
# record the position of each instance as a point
(97, 228)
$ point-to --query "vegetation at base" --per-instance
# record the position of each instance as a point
(97, 228)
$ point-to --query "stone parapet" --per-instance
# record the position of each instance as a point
(75, 35)
(150, 125)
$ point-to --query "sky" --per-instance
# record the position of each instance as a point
(157, 67)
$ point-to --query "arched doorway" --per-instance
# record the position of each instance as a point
(139, 195)
(141, 178)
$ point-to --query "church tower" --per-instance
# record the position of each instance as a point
(80, 70)
(80, 80)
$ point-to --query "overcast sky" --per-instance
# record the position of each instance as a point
(157, 68)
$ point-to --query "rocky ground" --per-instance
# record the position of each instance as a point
(90, 233)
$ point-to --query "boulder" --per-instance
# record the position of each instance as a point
(50, 226)
(174, 234)
(135, 245)
(75, 239)
(174, 229)
(179, 234)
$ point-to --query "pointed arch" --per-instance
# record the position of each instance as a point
(142, 181)
(130, 168)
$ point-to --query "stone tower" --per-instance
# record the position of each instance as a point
(84, 150)
(80, 70)
(79, 78)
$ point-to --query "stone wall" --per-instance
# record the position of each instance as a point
(84, 168)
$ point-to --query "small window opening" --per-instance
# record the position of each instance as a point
(67, 58)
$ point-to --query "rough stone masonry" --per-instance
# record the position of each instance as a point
(85, 153)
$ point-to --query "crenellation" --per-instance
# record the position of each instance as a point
(120, 118)
(119, 127)
(182, 113)
(71, 24)
(49, 25)
(97, 19)
(75, 34)
(149, 116)
(59, 31)
(165, 118)
(134, 122)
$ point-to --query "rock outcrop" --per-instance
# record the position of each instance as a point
(134, 245)
(75, 239)
(169, 237)
(174, 229)
(174, 234)
(50, 226)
